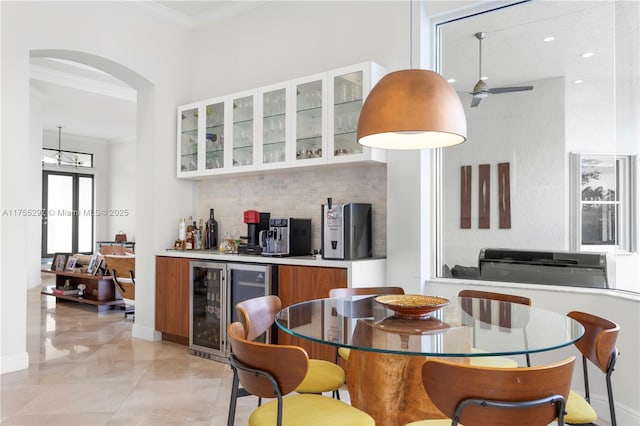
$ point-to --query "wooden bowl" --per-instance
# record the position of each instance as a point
(412, 306)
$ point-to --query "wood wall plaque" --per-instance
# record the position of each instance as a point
(465, 197)
(504, 196)
(484, 196)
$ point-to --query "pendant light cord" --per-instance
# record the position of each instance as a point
(411, 34)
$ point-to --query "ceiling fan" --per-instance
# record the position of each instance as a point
(481, 90)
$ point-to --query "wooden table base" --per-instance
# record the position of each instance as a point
(389, 388)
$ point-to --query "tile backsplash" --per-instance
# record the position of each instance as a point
(296, 193)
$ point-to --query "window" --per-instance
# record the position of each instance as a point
(66, 158)
(603, 202)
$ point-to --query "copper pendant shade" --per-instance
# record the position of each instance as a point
(412, 109)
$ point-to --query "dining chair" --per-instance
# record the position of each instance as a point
(467, 306)
(123, 270)
(489, 396)
(257, 315)
(273, 371)
(597, 345)
(360, 291)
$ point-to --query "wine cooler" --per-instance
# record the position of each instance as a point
(215, 289)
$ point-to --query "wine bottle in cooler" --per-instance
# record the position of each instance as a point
(212, 232)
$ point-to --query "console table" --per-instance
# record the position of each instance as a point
(100, 290)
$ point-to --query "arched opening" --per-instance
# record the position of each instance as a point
(63, 78)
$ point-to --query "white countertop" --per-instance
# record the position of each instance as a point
(252, 258)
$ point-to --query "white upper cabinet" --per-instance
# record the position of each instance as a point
(188, 140)
(304, 122)
(309, 120)
(215, 113)
(243, 152)
(348, 88)
(274, 127)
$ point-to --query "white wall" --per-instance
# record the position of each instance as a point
(146, 53)
(121, 194)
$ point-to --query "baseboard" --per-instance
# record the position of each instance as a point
(145, 333)
(12, 363)
(625, 415)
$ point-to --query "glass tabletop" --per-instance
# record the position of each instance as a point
(464, 328)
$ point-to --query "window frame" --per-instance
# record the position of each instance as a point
(626, 168)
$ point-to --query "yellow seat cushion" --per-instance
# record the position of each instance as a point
(434, 422)
(579, 410)
(310, 410)
(344, 353)
(322, 376)
(491, 361)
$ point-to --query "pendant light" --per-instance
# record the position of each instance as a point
(61, 157)
(412, 109)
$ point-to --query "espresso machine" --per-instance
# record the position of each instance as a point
(286, 236)
(256, 222)
(346, 231)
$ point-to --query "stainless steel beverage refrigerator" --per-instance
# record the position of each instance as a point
(215, 289)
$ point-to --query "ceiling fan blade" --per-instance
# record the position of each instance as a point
(475, 102)
(510, 89)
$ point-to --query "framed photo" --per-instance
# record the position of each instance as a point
(99, 267)
(93, 264)
(71, 263)
(59, 261)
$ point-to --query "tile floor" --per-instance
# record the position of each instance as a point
(85, 369)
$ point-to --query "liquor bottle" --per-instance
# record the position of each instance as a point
(212, 232)
(182, 230)
(189, 240)
(199, 231)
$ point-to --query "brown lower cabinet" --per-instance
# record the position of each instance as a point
(172, 298)
(301, 283)
(295, 284)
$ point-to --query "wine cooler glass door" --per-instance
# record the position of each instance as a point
(208, 310)
(248, 282)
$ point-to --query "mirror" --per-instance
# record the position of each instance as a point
(512, 184)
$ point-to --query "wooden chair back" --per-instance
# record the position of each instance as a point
(501, 297)
(448, 384)
(364, 291)
(287, 364)
(123, 271)
(257, 315)
(114, 250)
(598, 344)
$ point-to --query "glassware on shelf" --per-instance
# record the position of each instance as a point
(189, 140)
(243, 131)
(348, 99)
(214, 145)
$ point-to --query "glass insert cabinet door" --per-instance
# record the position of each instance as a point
(188, 139)
(310, 119)
(243, 130)
(274, 125)
(214, 137)
(346, 104)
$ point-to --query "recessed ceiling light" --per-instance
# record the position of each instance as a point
(587, 54)
(548, 39)
(451, 80)
(578, 81)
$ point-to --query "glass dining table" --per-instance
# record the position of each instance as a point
(388, 350)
